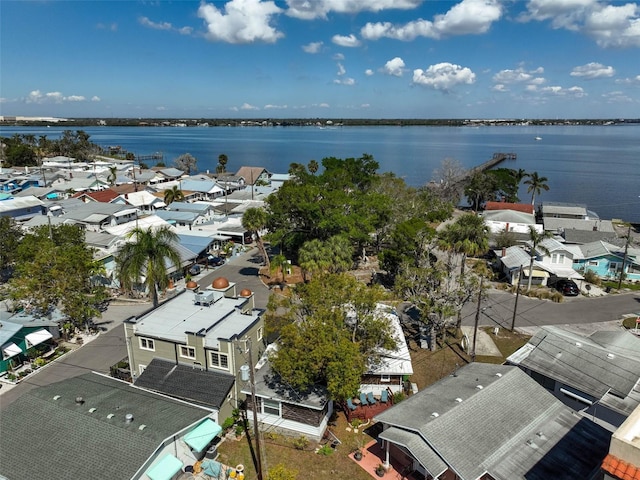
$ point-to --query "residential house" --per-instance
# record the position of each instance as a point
(490, 422)
(393, 367)
(142, 200)
(510, 221)
(105, 196)
(204, 210)
(97, 426)
(564, 210)
(557, 259)
(515, 207)
(285, 410)
(253, 175)
(16, 340)
(209, 329)
(623, 460)
(513, 260)
(597, 375)
(21, 208)
(97, 216)
(606, 259)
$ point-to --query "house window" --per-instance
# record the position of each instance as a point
(147, 344)
(270, 407)
(385, 378)
(219, 360)
(613, 266)
(554, 258)
(593, 263)
(260, 333)
(187, 352)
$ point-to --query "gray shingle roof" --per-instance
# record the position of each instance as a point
(493, 428)
(48, 438)
(207, 388)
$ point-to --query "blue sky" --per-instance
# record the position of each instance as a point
(321, 58)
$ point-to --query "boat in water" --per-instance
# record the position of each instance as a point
(538, 138)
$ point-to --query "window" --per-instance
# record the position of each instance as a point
(554, 258)
(613, 266)
(147, 344)
(260, 333)
(270, 407)
(187, 352)
(219, 360)
(593, 263)
(385, 378)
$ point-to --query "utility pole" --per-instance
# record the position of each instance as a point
(515, 307)
(475, 326)
(254, 408)
(624, 260)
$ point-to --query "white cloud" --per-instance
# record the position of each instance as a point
(465, 18)
(443, 76)
(145, 21)
(617, 97)
(368, 72)
(519, 75)
(346, 40)
(113, 27)
(575, 92)
(338, 56)
(95, 98)
(185, 30)
(499, 87)
(365, 105)
(313, 47)
(36, 96)
(243, 21)
(248, 106)
(345, 81)
(394, 67)
(629, 81)
(311, 9)
(341, 70)
(608, 25)
(161, 109)
(593, 70)
(275, 107)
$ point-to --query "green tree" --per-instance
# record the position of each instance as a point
(505, 239)
(313, 167)
(186, 162)
(146, 259)
(222, 163)
(54, 268)
(467, 236)
(113, 175)
(254, 220)
(332, 335)
(10, 235)
(173, 194)
(535, 185)
(279, 263)
(480, 188)
(333, 255)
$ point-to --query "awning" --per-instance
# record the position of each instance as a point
(201, 436)
(37, 337)
(165, 469)
(10, 350)
(221, 237)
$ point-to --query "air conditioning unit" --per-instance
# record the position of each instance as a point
(204, 298)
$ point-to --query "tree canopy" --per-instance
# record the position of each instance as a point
(186, 162)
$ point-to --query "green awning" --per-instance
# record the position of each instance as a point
(201, 436)
(165, 469)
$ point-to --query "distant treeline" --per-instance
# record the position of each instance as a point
(325, 122)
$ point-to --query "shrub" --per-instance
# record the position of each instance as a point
(398, 397)
(356, 422)
(325, 450)
(592, 277)
(228, 423)
(557, 297)
(239, 429)
(301, 443)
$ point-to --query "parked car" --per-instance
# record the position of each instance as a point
(214, 261)
(195, 269)
(568, 288)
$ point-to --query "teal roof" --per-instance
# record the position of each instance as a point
(201, 436)
(165, 469)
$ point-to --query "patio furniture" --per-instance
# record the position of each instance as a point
(363, 399)
(350, 404)
(370, 398)
(384, 396)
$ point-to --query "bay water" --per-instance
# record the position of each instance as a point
(595, 165)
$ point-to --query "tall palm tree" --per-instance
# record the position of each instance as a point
(173, 194)
(467, 236)
(254, 220)
(536, 184)
(535, 239)
(149, 255)
(313, 167)
(222, 163)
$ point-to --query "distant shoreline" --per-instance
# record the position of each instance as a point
(17, 121)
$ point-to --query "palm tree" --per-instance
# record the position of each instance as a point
(313, 167)
(254, 220)
(467, 236)
(222, 163)
(149, 256)
(536, 185)
(173, 194)
(535, 239)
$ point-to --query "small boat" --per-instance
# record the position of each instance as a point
(538, 138)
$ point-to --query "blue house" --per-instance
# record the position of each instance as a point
(606, 260)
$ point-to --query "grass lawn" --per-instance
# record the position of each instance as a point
(625, 285)
(428, 368)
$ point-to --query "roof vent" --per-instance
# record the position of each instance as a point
(142, 427)
(93, 409)
(79, 400)
(610, 355)
(479, 387)
(578, 344)
(128, 418)
(435, 415)
(56, 397)
(458, 400)
(110, 416)
(498, 375)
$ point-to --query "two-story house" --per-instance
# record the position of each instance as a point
(210, 329)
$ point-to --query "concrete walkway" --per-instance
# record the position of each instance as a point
(484, 342)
